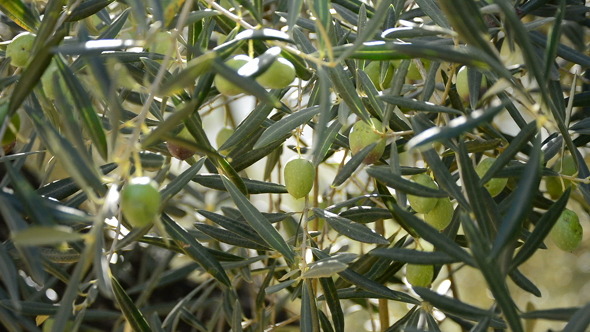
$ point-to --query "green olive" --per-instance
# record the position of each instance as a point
(223, 135)
(179, 151)
(225, 86)
(567, 231)
(462, 83)
(381, 82)
(299, 176)
(441, 215)
(423, 204)
(363, 135)
(279, 75)
(419, 275)
(556, 185)
(19, 49)
(495, 185)
(140, 201)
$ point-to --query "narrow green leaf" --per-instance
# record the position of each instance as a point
(17, 11)
(45, 235)
(134, 317)
(280, 286)
(414, 256)
(309, 311)
(386, 176)
(229, 237)
(324, 268)
(176, 83)
(333, 301)
(86, 9)
(517, 144)
(293, 13)
(432, 235)
(84, 106)
(522, 205)
(278, 129)
(351, 229)
(77, 165)
(214, 181)
(481, 203)
(542, 229)
(351, 166)
(558, 314)
(431, 9)
(417, 105)
(492, 274)
(179, 182)
(456, 307)
(344, 86)
(365, 214)
(455, 127)
(235, 226)
(262, 226)
(195, 250)
(444, 178)
(579, 321)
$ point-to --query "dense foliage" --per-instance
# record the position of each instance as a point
(435, 144)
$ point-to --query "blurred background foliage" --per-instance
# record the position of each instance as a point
(106, 91)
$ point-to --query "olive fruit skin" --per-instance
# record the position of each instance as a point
(495, 185)
(373, 70)
(567, 231)
(423, 204)
(299, 175)
(441, 215)
(419, 275)
(223, 135)
(140, 201)
(19, 49)
(178, 151)
(362, 135)
(279, 75)
(555, 186)
(226, 87)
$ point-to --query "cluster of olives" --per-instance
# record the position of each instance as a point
(279, 75)
(438, 212)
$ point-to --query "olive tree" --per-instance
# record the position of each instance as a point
(290, 165)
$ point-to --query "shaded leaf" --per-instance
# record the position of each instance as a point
(350, 229)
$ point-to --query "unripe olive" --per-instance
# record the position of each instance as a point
(556, 185)
(162, 42)
(179, 151)
(19, 49)
(373, 70)
(225, 86)
(140, 201)
(495, 185)
(567, 231)
(279, 75)
(441, 215)
(419, 275)
(423, 204)
(223, 135)
(363, 135)
(511, 57)
(299, 175)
